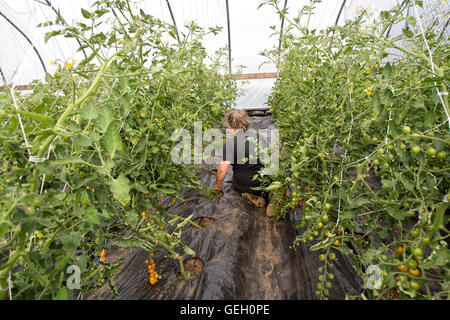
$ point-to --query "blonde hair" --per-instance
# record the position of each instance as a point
(237, 119)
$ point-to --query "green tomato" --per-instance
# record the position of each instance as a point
(322, 257)
(414, 285)
(381, 151)
(327, 207)
(417, 252)
(406, 130)
(415, 149)
(29, 210)
(390, 147)
(431, 152)
(425, 240)
(441, 155)
(415, 232)
(319, 225)
(412, 264)
(331, 276)
(325, 218)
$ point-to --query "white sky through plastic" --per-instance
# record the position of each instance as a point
(250, 33)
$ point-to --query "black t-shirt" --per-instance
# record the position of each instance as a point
(242, 151)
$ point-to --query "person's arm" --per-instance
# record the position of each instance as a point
(221, 173)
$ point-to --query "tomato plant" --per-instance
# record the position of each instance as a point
(367, 132)
(97, 151)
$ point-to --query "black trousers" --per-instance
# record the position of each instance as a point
(247, 189)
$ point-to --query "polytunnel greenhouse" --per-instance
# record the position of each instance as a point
(224, 150)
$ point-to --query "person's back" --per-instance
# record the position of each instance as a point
(241, 150)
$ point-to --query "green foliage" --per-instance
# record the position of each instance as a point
(361, 134)
(106, 125)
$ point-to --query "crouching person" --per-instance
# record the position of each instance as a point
(240, 151)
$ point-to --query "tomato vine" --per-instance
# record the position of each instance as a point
(361, 127)
(97, 152)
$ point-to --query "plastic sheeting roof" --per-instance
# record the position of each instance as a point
(250, 33)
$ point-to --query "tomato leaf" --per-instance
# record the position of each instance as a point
(85, 13)
(89, 111)
(82, 140)
(111, 139)
(120, 189)
(70, 243)
(91, 216)
(104, 119)
(45, 120)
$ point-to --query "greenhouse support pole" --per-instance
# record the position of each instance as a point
(340, 12)
(445, 28)
(173, 19)
(390, 27)
(281, 31)
(3, 75)
(28, 39)
(229, 39)
(337, 20)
